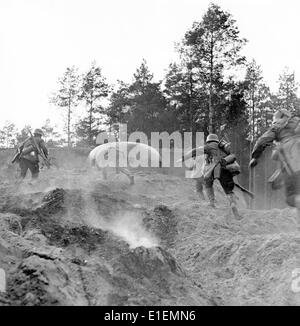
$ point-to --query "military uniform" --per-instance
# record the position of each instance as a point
(285, 131)
(29, 159)
(216, 152)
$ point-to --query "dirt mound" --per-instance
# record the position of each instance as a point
(54, 255)
(250, 262)
(86, 241)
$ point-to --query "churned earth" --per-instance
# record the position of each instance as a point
(74, 239)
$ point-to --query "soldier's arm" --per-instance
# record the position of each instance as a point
(193, 153)
(263, 142)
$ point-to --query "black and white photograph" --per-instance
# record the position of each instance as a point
(149, 155)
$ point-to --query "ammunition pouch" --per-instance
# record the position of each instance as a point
(229, 159)
(234, 168)
(229, 163)
(232, 165)
(28, 150)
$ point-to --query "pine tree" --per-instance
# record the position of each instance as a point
(185, 98)
(67, 97)
(93, 90)
(287, 94)
(147, 102)
(51, 136)
(259, 101)
(213, 45)
(8, 135)
(141, 104)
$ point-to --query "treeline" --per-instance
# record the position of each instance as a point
(211, 85)
(212, 88)
(11, 136)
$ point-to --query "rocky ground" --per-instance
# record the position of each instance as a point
(74, 239)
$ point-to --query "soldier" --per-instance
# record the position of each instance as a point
(28, 158)
(285, 133)
(218, 159)
(219, 164)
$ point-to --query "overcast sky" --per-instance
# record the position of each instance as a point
(40, 38)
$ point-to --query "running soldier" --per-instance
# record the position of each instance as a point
(219, 164)
(285, 134)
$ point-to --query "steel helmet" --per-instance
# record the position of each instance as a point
(212, 138)
(38, 132)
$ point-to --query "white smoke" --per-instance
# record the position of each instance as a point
(129, 227)
(126, 225)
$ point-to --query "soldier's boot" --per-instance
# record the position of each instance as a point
(233, 206)
(211, 196)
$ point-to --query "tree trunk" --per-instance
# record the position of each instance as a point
(69, 125)
(252, 171)
(211, 113)
(191, 113)
(90, 125)
(210, 104)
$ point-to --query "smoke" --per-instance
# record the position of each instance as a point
(127, 225)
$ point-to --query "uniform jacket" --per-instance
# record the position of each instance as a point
(215, 151)
(29, 150)
(279, 133)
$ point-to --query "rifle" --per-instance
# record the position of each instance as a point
(285, 162)
(40, 152)
(249, 193)
(19, 152)
(16, 156)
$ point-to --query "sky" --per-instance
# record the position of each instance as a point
(39, 39)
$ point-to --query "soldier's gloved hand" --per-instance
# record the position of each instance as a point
(253, 163)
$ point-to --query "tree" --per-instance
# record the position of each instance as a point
(94, 89)
(8, 134)
(50, 135)
(141, 104)
(67, 96)
(287, 94)
(259, 100)
(185, 98)
(118, 110)
(212, 45)
(147, 102)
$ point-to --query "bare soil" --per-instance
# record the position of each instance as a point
(74, 239)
